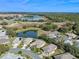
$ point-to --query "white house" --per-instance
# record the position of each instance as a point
(68, 42)
(3, 37)
(2, 33)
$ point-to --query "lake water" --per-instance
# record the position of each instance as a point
(32, 18)
(28, 34)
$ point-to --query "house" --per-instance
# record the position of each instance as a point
(38, 43)
(2, 32)
(77, 38)
(49, 50)
(1, 26)
(26, 42)
(69, 38)
(76, 43)
(65, 56)
(4, 39)
(68, 42)
(71, 35)
(12, 56)
(16, 42)
(54, 34)
(26, 53)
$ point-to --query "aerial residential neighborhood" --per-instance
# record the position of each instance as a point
(39, 29)
(38, 36)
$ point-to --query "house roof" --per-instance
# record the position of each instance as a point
(4, 39)
(49, 48)
(71, 35)
(28, 40)
(65, 56)
(2, 33)
(53, 34)
(68, 42)
(17, 39)
(38, 43)
(11, 56)
(77, 43)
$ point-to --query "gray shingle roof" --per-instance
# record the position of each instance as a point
(4, 39)
(65, 56)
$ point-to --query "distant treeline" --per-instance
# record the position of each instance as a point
(54, 16)
(60, 16)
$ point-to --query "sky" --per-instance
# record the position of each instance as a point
(39, 5)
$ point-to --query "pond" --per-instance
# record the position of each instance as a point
(33, 18)
(28, 34)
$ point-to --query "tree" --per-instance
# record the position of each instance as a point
(4, 23)
(20, 52)
(24, 27)
(49, 26)
(76, 28)
(11, 32)
(72, 49)
(3, 48)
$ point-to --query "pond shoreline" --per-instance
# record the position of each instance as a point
(27, 34)
(40, 31)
